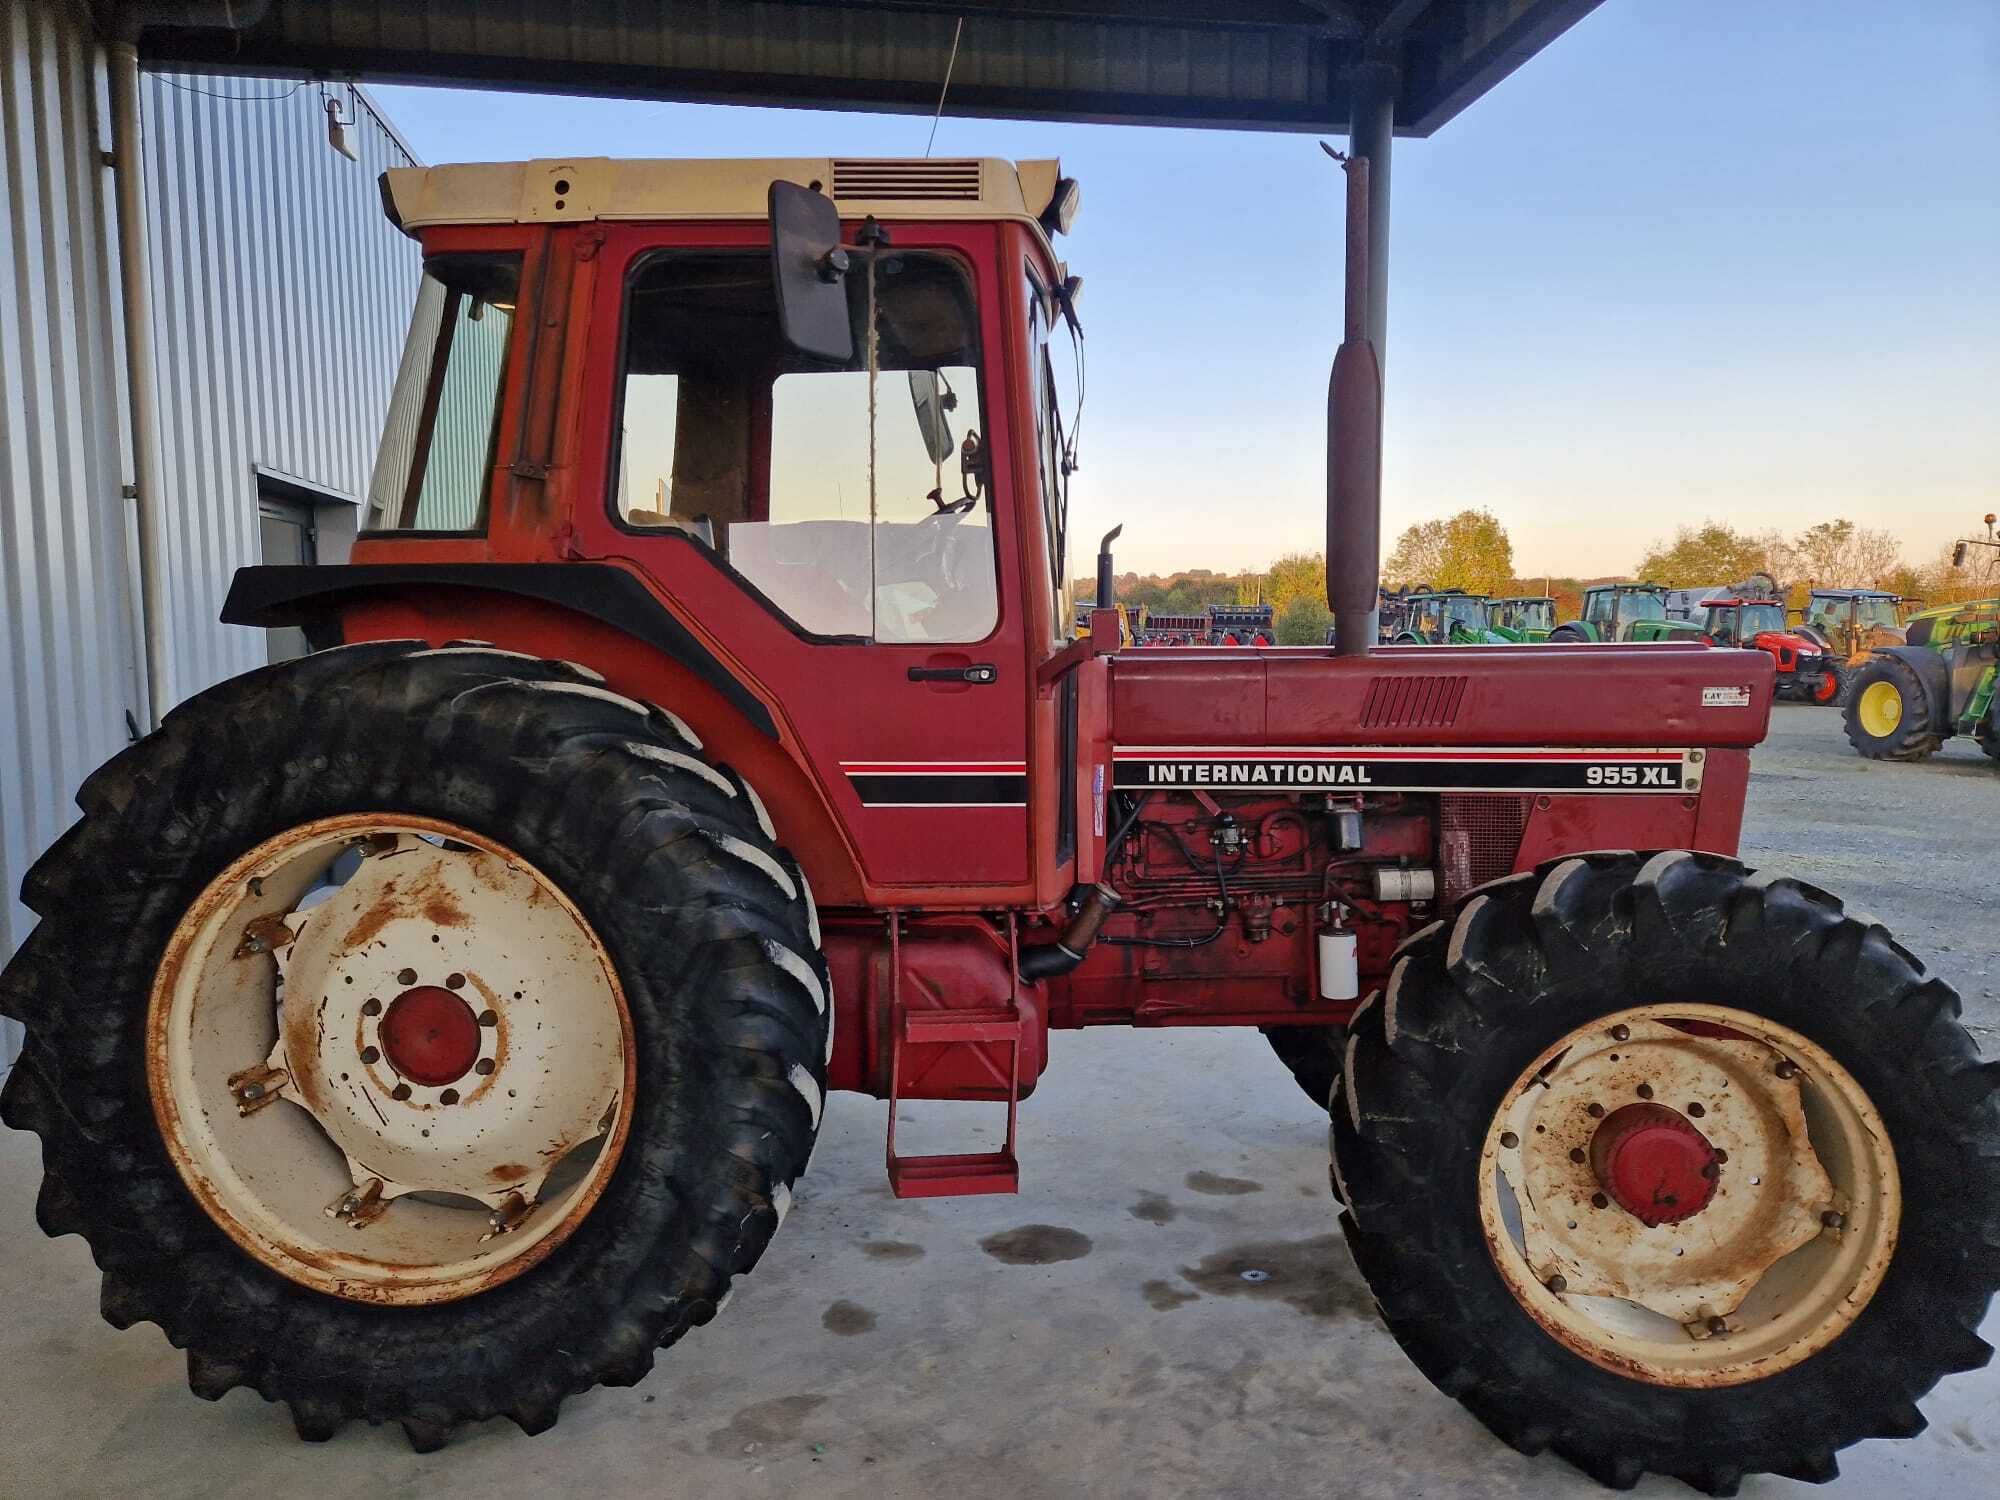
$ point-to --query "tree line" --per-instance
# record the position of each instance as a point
(1472, 551)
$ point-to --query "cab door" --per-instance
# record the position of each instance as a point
(809, 519)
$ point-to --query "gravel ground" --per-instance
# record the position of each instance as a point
(1911, 845)
(1096, 1335)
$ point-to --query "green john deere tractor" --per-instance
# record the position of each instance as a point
(1626, 612)
(1529, 617)
(1446, 617)
(1909, 699)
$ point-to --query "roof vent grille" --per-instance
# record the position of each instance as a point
(915, 181)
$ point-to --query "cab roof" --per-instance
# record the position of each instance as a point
(578, 189)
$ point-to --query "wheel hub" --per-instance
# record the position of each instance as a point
(430, 1035)
(1654, 1163)
(444, 1020)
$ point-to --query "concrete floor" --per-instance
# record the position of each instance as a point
(1091, 1336)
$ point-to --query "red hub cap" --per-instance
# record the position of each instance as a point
(430, 1036)
(1654, 1163)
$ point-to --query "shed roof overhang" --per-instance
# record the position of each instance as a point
(1242, 64)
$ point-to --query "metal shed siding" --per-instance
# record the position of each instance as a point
(68, 656)
(280, 297)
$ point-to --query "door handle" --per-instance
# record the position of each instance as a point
(981, 672)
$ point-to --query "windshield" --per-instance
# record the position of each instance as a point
(1643, 607)
(1877, 611)
(1470, 614)
(815, 484)
(1536, 614)
(1758, 618)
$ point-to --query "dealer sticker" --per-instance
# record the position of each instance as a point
(1725, 697)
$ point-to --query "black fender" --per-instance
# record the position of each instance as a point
(1935, 674)
(311, 598)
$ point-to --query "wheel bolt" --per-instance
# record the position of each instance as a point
(407, 976)
(1595, 1111)
(1621, 1033)
(488, 1018)
(1510, 1140)
(400, 1091)
(1721, 1156)
(1598, 1200)
(1696, 1111)
(1645, 1091)
(1557, 1285)
(1833, 1219)
(251, 1091)
(1788, 1069)
(371, 1007)
(370, 1055)
(449, 1096)
(454, 981)
(1718, 1326)
(483, 1066)
(1576, 1154)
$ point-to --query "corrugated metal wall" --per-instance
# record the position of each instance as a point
(280, 295)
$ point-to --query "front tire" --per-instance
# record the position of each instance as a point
(669, 860)
(1433, 1063)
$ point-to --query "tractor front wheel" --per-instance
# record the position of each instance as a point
(418, 1035)
(1889, 715)
(1828, 685)
(1672, 1167)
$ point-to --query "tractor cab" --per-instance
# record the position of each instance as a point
(1447, 617)
(1527, 618)
(1625, 612)
(1852, 622)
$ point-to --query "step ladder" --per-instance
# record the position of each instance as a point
(970, 1172)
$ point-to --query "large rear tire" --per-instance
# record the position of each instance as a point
(1494, 1026)
(1889, 715)
(669, 865)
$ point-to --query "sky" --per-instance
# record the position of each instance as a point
(1709, 259)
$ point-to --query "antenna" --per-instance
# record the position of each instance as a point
(950, 63)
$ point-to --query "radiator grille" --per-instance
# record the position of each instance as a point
(1414, 702)
(1478, 838)
(916, 181)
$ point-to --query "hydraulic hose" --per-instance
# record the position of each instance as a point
(1066, 952)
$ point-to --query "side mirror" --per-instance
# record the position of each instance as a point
(932, 401)
(807, 268)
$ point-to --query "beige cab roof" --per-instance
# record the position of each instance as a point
(578, 189)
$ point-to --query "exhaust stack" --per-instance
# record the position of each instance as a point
(1354, 446)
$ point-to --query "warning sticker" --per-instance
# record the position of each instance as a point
(1725, 697)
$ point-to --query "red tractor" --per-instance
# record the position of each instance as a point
(434, 1027)
(1753, 616)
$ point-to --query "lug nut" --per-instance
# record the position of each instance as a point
(1833, 1219)
(1721, 1156)
(371, 1007)
(454, 981)
(1645, 1091)
(1557, 1285)
(370, 1055)
(1696, 1111)
(407, 976)
(1595, 1111)
(1510, 1140)
(1788, 1069)
(488, 1018)
(449, 1096)
(1598, 1200)
(400, 1091)
(250, 1091)
(1621, 1033)
(483, 1066)
(1576, 1154)
(1718, 1326)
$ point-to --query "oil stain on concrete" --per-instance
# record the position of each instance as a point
(1222, 1187)
(1315, 1276)
(847, 1318)
(892, 1250)
(1164, 1296)
(1036, 1245)
(776, 1421)
(1154, 1208)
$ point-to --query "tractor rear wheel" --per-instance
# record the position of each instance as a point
(418, 1035)
(1889, 714)
(1672, 1167)
(1569, 634)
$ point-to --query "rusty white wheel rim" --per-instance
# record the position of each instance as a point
(1789, 1246)
(403, 1088)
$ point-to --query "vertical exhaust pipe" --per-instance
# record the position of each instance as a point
(1354, 445)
